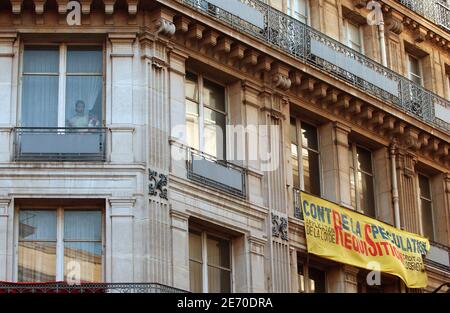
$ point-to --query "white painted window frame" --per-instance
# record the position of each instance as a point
(204, 240)
(289, 4)
(59, 240)
(348, 42)
(419, 198)
(62, 75)
(410, 74)
(358, 187)
(201, 111)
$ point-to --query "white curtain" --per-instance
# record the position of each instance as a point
(84, 82)
(40, 87)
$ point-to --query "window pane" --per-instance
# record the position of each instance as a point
(317, 280)
(195, 276)
(427, 219)
(195, 246)
(218, 280)
(311, 172)
(354, 36)
(301, 278)
(352, 178)
(37, 262)
(41, 60)
(84, 60)
(367, 194)
(40, 101)
(84, 101)
(37, 225)
(364, 160)
(424, 186)
(85, 256)
(309, 136)
(191, 87)
(414, 66)
(83, 225)
(192, 130)
(218, 252)
(213, 95)
(214, 132)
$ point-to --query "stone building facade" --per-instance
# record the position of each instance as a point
(115, 151)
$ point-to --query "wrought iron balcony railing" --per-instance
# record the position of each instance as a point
(218, 174)
(436, 11)
(310, 46)
(439, 256)
(59, 144)
(63, 287)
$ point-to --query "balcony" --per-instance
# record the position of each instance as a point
(60, 144)
(326, 54)
(217, 174)
(63, 287)
(439, 256)
(436, 11)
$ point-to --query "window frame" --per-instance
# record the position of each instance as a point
(289, 4)
(419, 63)
(306, 265)
(204, 241)
(59, 257)
(348, 41)
(62, 76)
(430, 200)
(358, 188)
(300, 147)
(201, 110)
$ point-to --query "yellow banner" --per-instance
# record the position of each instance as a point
(345, 236)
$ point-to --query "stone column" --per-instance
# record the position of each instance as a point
(446, 208)
(180, 249)
(8, 90)
(121, 90)
(294, 270)
(120, 242)
(5, 253)
(257, 263)
(335, 163)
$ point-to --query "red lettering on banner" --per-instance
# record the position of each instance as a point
(372, 248)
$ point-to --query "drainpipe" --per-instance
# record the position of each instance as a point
(395, 196)
(382, 42)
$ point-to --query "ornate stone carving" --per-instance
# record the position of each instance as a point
(165, 27)
(280, 81)
(157, 182)
(279, 227)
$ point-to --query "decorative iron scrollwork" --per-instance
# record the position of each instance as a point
(279, 227)
(157, 184)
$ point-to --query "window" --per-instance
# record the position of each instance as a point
(205, 115)
(209, 262)
(426, 207)
(62, 86)
(414, 69)
(354, 36)
(311, 279)
(298, 9)
(54, 244)
(361, 180)
(309, 161)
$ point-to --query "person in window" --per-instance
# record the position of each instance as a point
(80, 119)
(93, 119)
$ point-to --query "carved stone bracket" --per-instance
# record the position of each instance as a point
(279, 227)
(157, 182)
(165, 27)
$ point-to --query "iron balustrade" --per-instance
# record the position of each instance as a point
(60, 144)
(63, 287)
(218, 174)
(312, 47)
(436, 11)
(438, 256)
